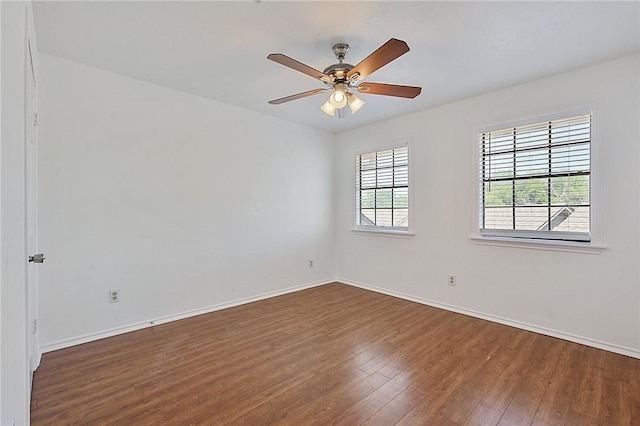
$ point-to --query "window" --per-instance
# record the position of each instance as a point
(535, 180)
(382, 190)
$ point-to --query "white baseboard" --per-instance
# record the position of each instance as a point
(635, 353)
(61, 344)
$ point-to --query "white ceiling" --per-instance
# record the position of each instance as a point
(218, 50)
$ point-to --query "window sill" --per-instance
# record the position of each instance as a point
(550, 245)
(383, 233)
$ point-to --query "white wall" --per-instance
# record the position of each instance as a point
(587, 297)
(179, 202)
(14, 400)
(140, 190)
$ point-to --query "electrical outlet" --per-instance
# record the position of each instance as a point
(310, 264)
(452, 280)
(114, 296)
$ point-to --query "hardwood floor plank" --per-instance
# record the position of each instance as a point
(615, 408)
(363, 409)
(464, 399)
(332, 405)
(335, 354)
(399, 406)
(532, 386)
(439, 384)
(555, 404)
(537, 422)
(587, 401)
(495, 402)
(285, 408)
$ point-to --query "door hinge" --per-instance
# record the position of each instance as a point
(34, 329)
(35, 119)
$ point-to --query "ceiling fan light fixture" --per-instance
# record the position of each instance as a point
(328, 108)
(355, 103)
(338, 98)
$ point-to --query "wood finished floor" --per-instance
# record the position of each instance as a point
(335, 354)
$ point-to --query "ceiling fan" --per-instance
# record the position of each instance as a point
(343, 78)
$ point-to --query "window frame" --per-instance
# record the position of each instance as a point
(524, 239)
(387, 231)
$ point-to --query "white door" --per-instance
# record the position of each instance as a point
(31, 209)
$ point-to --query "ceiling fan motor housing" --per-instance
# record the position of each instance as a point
(338, 72)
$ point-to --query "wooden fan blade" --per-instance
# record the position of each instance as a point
(389, 90)
(297, 96)
(386, 53)
(299, 66)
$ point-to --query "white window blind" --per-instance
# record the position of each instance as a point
(535, 180)
(382, 189)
